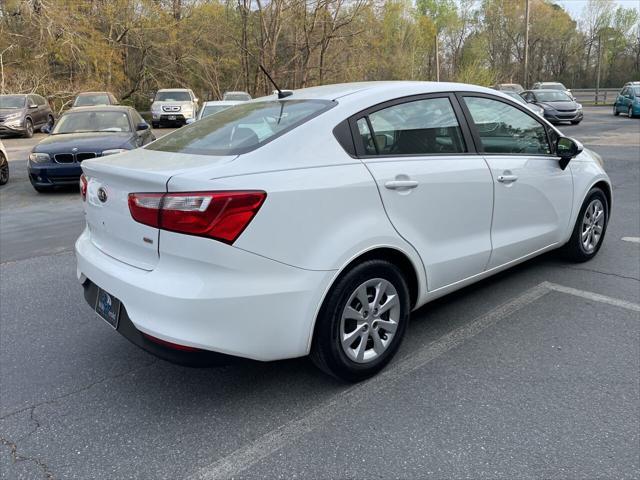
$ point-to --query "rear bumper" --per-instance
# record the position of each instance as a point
(259, 309)
(48, 175)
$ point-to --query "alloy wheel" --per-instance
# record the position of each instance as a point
(369, 320)
(592, 225)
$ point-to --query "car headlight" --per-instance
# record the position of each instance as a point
(13, 116)
(39, 157)
(113, 151)
(579, 106)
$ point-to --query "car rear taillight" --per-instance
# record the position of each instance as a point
(83, 187)
(219, 215)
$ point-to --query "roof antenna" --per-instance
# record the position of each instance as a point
(281, 94)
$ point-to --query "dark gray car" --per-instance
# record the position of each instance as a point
(23, 114)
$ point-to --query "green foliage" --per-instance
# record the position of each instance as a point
(133, 47)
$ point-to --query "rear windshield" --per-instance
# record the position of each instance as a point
(173, 97)
(211, 109)
(91, 99)
(238, 96)
(241, 128)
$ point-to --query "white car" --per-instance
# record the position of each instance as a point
(173, 106)
(210, 108)
(315, 224)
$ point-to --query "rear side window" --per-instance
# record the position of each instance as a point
(503, 128)
(420, 127)
(241, 128)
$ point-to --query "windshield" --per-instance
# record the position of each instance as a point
(211, 109)
(515, 96)
(94, 99)
(553, 97)
(554, 86)
(173, 97)
(238, 96)
(511, 87)
(12, 101)
(77, 122)
(241, 128)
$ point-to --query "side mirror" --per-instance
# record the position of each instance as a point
(46, 128)
(567, 148)
(190, 121)
(142, 126)
(196, 100)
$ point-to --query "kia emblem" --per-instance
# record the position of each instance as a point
(102, 195)
(74, 149)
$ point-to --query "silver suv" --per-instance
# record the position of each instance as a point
(173, 106)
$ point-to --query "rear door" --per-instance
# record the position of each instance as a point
(533, 195)
(436, 190)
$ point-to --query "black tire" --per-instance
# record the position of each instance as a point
(615, 110)
(574, 250)
(630, 112)
(28, 128)
(327, 352)
(4, 170)
(575, 122)
(155, 125)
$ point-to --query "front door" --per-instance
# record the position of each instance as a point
(437, 194)
(533, 195)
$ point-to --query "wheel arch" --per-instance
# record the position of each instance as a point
(410, 270)
(606, 188)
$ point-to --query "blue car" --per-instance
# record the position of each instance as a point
(628, 100)
(80, 134)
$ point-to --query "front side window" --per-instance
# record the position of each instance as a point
(241, 128)
(505, 129)
(78, 122)
(420, 127)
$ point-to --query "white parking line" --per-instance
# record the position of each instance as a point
(287, 434)
(631, 239)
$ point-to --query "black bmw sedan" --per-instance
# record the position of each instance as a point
(82, 133)
(558, 106)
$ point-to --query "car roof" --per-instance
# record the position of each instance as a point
(93, 93)
(382, 89)
(174, 89)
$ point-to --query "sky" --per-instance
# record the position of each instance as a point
(574, 7)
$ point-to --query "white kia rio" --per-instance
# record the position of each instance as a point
(316, 223)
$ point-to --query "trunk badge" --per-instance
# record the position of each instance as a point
(102, 195)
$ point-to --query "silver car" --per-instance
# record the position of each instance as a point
(173, 106)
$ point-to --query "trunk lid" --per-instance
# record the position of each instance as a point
(109, 182)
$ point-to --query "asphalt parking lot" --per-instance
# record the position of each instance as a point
(532, 373)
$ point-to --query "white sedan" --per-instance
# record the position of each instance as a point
(315, 224)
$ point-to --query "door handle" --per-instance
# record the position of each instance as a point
(507, 178)
(401, 184)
